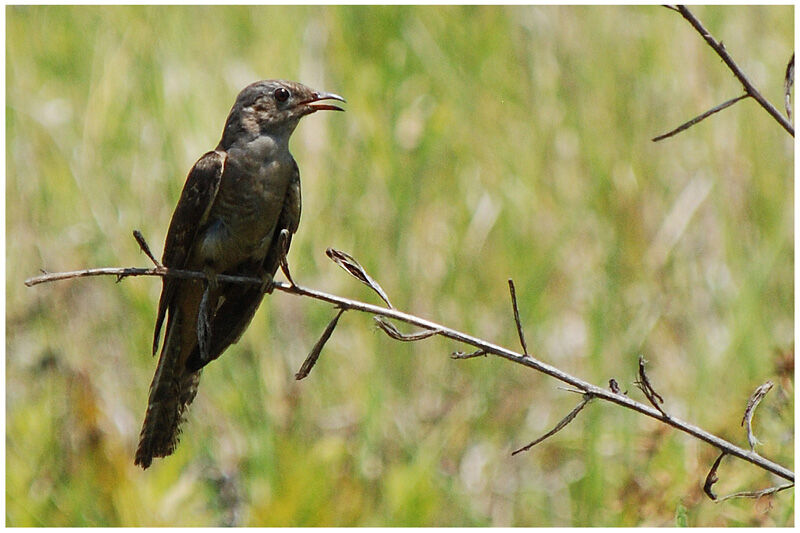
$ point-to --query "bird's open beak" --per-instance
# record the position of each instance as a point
(324, 96)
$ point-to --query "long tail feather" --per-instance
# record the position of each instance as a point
(172, 390)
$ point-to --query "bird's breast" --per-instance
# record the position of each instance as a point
(246, 210)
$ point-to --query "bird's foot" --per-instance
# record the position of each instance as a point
(267, 283)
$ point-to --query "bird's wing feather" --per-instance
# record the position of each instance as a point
(195, 203)
(241, 301)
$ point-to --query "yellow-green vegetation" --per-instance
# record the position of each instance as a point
(479, 144)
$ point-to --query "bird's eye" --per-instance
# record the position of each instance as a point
(281, 94)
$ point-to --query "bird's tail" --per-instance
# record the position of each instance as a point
(172, 390)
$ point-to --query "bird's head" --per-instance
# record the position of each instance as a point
(273, 107)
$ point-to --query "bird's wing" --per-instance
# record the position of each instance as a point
(241, 301)
(190, 214)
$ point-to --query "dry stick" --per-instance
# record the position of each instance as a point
(516, 316)
(488, 347)
(311, 360)
(145, 247)
(756, 493)
(644, 385)
(561, 425)
(695, 120)
(719, 48)
(352, 267)
(788, 81)
(462, 355)
(712, 477)
(392, 331)
(752, 403)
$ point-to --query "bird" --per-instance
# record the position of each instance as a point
(236, 214)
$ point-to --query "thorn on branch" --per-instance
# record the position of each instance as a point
(392, 331)
(699, 118)
(712, 477)
(146, 248)
(516, 316)
(311, 360)
(644, 385)
(352, 267)
(561, 425)
(752, 403)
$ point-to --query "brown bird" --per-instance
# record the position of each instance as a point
(235, 204)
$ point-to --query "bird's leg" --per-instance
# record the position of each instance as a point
(204, 313)
(267, 282)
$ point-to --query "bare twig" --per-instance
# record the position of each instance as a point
(516, 316)
(712, 477)
(391, 330)
(788, 82)
(313, 355)
(756, 493)
(752, 403)
(734, 68)
(695, 120)
(145, 247)
(644, 385)
(561, 425)
(480, 344)
(470, 355)
(352, 267)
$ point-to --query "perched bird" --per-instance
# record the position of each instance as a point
(235, 204)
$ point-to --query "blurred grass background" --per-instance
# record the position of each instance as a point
(479, 143)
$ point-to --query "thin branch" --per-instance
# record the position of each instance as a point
(352, 267)
(145, 247)
(712, 477)
(752, 403)
(788, 82)
(121, 273)
(644, 385)
(756, 493)
(311, 360)
(695, 120)
(719, 48)
(561, 425)
(470, 355)
(516, 316)
(392, 331)
(485, 346)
